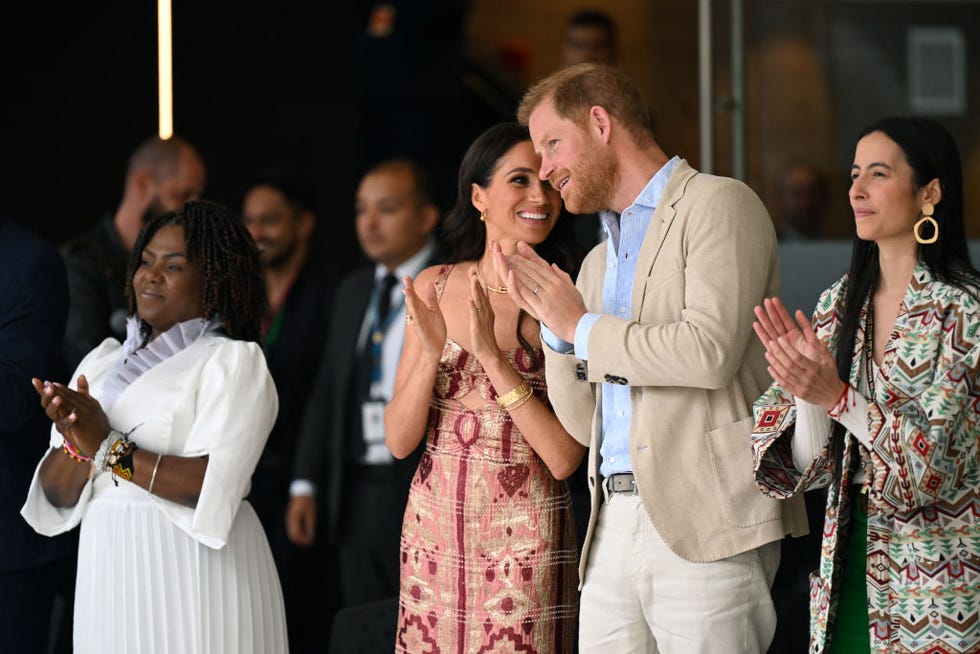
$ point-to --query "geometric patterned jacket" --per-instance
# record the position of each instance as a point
(924, 471)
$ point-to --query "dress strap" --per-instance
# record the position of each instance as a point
(440, 283)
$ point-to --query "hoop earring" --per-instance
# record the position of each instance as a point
(483, 217)
(927, 210)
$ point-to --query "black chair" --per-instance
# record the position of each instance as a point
(365, 628)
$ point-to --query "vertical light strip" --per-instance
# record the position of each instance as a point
(705, 98)
(738, 90)
(165, 69)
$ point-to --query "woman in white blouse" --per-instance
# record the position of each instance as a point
(153, 453)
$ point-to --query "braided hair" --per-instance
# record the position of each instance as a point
(232, 285)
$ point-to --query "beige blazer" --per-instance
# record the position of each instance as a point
(694, 366)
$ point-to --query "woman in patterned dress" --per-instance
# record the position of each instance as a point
(879, 401)
(488, 548)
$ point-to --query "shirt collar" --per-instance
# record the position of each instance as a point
(650, 195)
(410, 268)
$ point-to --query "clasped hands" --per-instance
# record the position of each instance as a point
(77, 416)
(544, 290)
(798, 360)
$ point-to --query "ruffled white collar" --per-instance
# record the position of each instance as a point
(135, 360)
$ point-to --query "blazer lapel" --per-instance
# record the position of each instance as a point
(660, 223)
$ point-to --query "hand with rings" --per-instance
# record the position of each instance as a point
(426, 317)
(483, 342)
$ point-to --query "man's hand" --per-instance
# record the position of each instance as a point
(543, 290)
(301, 520)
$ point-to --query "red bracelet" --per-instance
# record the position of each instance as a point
(840, 404)
(74, 452)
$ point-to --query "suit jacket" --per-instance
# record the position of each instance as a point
(321, 452)
(694, 367)
(33, 310)
(96, 263)
(293, 359)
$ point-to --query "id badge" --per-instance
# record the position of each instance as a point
(373, 417)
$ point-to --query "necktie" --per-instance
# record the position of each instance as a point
(384, 299)
(379, 326)
(369, 369)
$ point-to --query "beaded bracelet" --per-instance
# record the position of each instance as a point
(74, 452)
(515, 397)
(119, 458)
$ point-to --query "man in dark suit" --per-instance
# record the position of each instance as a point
(341, 458)
(33, 310)
(278, 210)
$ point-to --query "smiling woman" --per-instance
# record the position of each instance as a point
(166, 285)
(488, 544)
(878, 399)
(153, 449)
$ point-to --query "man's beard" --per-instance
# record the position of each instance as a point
(276, 260)
(593, 180)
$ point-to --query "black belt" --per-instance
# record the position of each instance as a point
(621, 482)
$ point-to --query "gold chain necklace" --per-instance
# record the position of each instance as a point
(495, 289)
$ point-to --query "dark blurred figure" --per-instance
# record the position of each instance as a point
(33, 310)
(278, 210)
(805, 199)
(414, 99)
(590, 37)
(342, 466)
(161, 176)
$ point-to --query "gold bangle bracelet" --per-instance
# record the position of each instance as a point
(513, 394)
(519, 401)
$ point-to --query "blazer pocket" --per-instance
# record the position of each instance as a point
(730, 452)
(662, 274)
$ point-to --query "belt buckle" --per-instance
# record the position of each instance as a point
(621, 482)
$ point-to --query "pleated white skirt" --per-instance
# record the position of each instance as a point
(146, 587)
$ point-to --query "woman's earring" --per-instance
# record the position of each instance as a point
(927, 210)
(483, 217)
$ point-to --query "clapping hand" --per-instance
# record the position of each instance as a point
(798, 360)
(482, 338)
(426, 317)
(77, 416)
(544, 290)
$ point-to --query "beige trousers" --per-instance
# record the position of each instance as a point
(639, 597)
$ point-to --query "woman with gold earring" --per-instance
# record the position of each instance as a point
(878, 399)
(488, 542)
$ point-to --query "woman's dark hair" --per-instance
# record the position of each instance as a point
(466, 234)
(932, 154)
(232, 285)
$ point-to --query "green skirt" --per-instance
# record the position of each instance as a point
(851, 629)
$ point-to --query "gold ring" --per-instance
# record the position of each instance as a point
(478, 309)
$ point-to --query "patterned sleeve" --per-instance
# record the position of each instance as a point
(925, 445)
(776, 424)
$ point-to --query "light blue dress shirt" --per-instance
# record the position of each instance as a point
(622, 247)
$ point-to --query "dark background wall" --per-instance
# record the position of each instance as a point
(260, 84)
(255, 85)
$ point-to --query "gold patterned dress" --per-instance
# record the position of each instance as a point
(488, 549)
